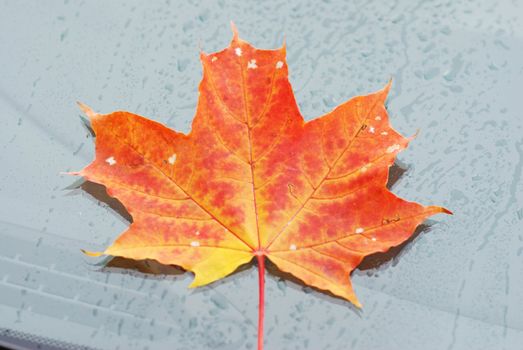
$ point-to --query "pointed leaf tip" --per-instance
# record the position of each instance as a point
(235, 36)
(196, 282)
(410, 138)
(93, 254)
(192, 285)
(441, 210)
(385, 91)
(446, 211)
(73, 173)
(86, 109)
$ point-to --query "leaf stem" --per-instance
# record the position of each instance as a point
(261, 304)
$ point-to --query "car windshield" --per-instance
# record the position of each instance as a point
(456, 71)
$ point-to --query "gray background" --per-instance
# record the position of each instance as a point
(457, 69)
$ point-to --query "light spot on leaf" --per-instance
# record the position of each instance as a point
(393, 148)
(372, 130)
(384, 133)
(214, 59)
(252, 64)
(111, 161)
(292, 247)
(195, 243)
(172, 159)
(279, 64)
(377, 117)
(359, 230)
(238, 51)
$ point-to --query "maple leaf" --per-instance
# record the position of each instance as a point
(253, 179)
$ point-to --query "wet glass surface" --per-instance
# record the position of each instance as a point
(456, 69)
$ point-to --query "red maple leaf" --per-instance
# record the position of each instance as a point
(253, 179)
